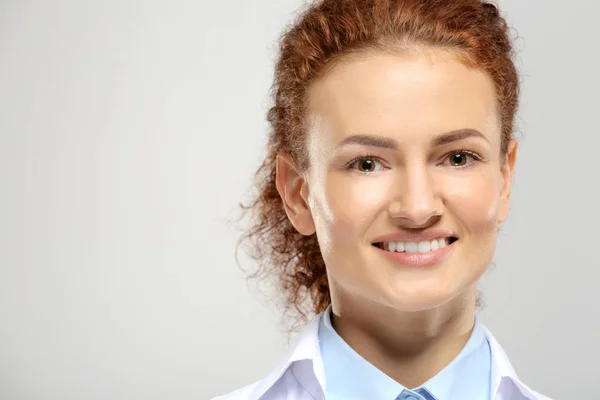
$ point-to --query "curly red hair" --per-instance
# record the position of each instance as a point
(325, 33)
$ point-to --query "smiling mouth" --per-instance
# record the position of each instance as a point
(416, 247)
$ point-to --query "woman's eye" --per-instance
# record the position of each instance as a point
(366, 165)
(461, 158)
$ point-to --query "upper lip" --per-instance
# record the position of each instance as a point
(422, 236)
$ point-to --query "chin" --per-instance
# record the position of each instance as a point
(411, 300)
(418, 304)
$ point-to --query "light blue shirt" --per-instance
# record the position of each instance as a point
(349, 376)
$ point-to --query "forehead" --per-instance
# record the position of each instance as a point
(407, 97)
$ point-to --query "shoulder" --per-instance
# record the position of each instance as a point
(238, 394)
(504, 377)
(272, 387)
(540, 396)
(293, 377)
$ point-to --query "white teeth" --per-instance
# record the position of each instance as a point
(424, 246)
(416, 247)
(411, 247)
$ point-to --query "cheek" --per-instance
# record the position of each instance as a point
(345, 208)
(475, 200)
(475, 206)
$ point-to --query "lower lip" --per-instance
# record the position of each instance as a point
(427, 259)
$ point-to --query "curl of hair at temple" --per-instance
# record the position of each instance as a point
(324, 34)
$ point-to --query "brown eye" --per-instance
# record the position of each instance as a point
(458, 159)
(366, 165)
(461, 159)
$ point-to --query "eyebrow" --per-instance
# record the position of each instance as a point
(387, 143)
(369, 140)
(454, 136)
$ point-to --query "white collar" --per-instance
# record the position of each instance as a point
(305, 358)
(505, 382)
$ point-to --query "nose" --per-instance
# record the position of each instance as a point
(417, 201)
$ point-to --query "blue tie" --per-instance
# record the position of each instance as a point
(419, 394)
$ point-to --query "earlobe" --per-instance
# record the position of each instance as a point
(292, 189)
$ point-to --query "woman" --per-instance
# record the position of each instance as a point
(388, 172)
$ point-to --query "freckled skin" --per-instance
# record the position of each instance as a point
(410, 99)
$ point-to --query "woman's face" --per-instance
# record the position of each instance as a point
(406, 184)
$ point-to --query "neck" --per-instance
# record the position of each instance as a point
(409, 347)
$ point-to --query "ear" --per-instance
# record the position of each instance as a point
(293, 189)
(507, 170)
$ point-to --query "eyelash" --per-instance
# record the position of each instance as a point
(364, 157)
(476, 157)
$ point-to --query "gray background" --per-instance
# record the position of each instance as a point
(129, 131)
